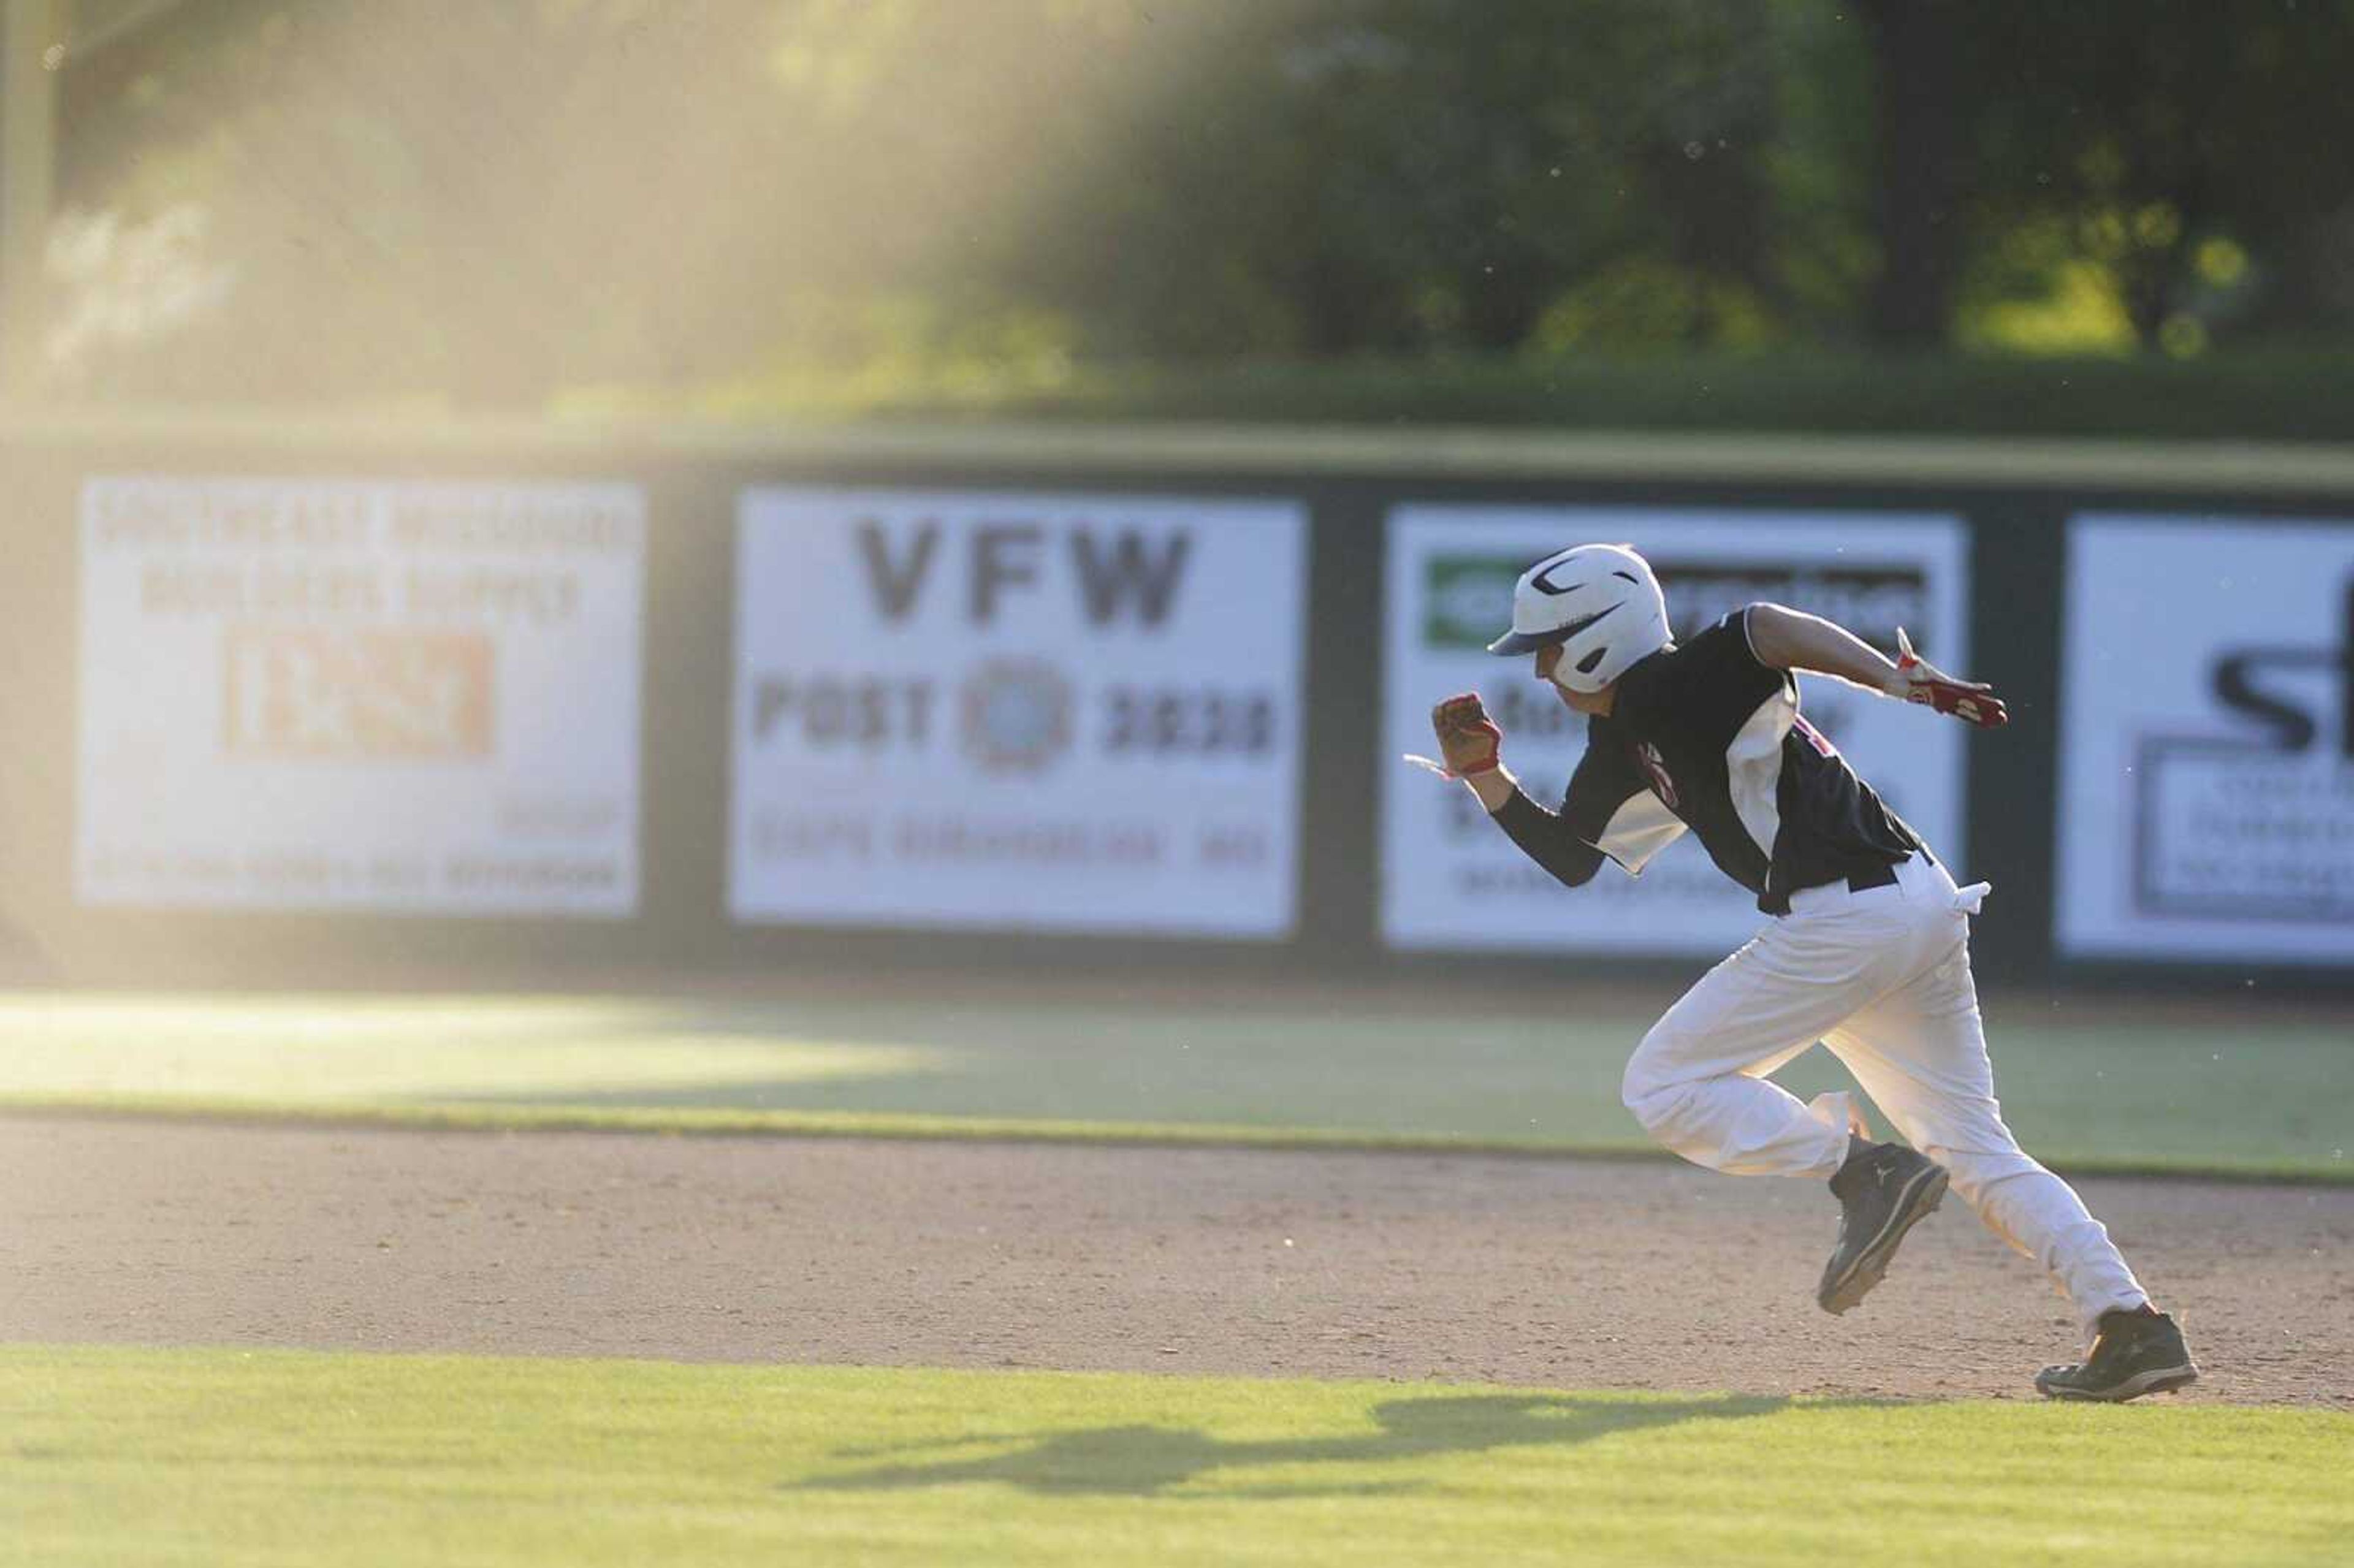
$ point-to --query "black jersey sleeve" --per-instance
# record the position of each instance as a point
(1593, 823)
(1547, 840)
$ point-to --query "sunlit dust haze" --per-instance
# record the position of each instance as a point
(408, 204)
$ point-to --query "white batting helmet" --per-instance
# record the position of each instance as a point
(1599, 603)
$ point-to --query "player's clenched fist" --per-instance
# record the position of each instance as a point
(1918, 680)
(1468, 740)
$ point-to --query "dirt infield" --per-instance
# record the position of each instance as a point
(1555, 1272)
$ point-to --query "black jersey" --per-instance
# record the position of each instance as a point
(1705, 738)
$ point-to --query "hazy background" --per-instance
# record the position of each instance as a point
(2115, 216)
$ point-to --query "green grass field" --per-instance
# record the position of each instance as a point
(207, 1456)
(132, 1458)
(2273, 1096)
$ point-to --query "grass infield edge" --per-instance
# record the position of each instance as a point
(696, 1121)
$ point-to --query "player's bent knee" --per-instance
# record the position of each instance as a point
(1649, 1069)
(1638, 1083)
(1660, 1110)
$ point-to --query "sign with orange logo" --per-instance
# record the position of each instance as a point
(356, 693)
(415, 697)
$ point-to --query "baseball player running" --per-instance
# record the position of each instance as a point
(1867, 950)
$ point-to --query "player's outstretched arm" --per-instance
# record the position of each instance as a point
(1791, 639)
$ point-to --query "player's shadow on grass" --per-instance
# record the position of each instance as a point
(1142, 1461)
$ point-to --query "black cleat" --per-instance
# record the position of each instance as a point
(1885, 1190)
(2137, 1351)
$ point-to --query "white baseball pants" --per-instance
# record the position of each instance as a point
(1882, 977)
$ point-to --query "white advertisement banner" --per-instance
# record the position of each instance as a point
(325, 693)
(1450, 879)
(2206, 749)
(1017, 712)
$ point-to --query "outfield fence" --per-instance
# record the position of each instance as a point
(290, 699)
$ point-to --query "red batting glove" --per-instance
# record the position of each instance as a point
(1918, 680)
(1468, 738)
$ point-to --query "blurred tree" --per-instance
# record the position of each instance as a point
(267, 200)
(1375, 174)
(485, 203)
(1917, 172)
(2162, 144)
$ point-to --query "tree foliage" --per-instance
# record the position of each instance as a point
(507, 204)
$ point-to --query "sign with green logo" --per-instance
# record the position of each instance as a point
(1467, 600)
(1451, 880)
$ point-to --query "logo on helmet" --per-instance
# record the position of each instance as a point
(1542, 581)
